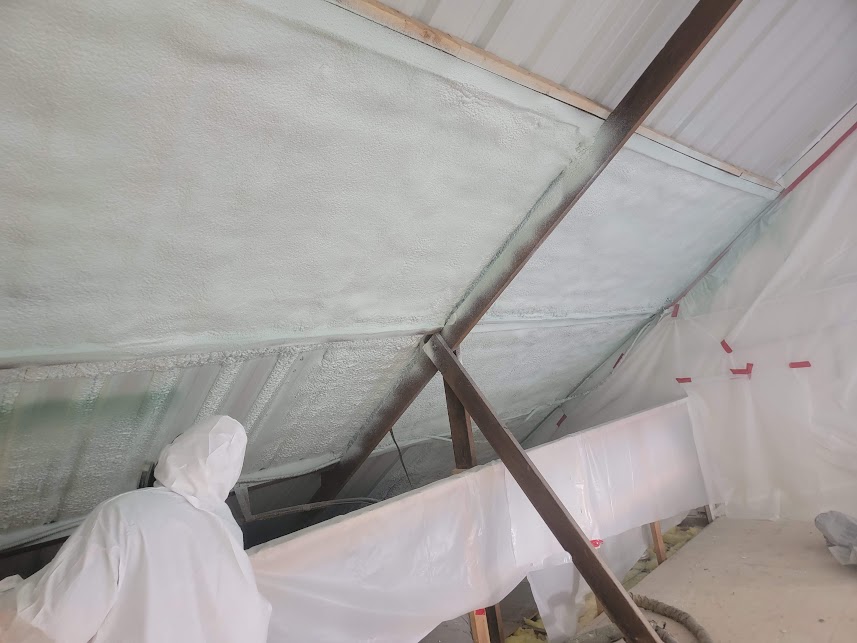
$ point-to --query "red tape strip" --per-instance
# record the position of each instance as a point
(561, 420)
(726, 346)
(684, 380)
(805, 364)
(748, 370)
(618, 360)
(479, 612)
(675, 311)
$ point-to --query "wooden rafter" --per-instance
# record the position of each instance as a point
(679, 51)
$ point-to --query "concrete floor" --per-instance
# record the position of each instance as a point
(519, 604)
(755, 580)
(746, 580)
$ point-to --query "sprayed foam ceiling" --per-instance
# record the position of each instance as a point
(245, 172)
(258, 208)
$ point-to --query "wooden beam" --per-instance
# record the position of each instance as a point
(658, 542)
(479, 627)
(618, 604)
(496, 629)
(460, 428)
(677, 54)
(383, 15)
(464, 452)
(679, 51)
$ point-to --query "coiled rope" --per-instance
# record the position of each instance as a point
(611, 633)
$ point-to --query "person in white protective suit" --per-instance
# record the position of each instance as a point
(154, 565)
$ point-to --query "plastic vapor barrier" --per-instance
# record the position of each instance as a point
(560, 591)
(393, 571)
(765, 349)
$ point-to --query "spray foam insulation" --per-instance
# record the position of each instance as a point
(257, 208)
(194, 173)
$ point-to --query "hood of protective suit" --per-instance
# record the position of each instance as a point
(204, 462)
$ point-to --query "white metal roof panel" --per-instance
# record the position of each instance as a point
(771, 81)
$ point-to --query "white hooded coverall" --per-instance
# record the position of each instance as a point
(154, 565)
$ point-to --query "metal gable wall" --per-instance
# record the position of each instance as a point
(773, 80)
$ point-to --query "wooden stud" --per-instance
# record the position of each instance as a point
(658, 541)
(496, 629)
(479, 627)
(697, 29)
(617, 602)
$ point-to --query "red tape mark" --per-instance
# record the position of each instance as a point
(596, 542)
(561, 420)
(805, 364)
(618, 360)
(818, 161)
(675, 311)
(726, 346)
(747, 370)
(479, 612)
(684, 380)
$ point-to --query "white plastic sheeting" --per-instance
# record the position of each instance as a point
(780, 441)
(560, 592)
(163, 564)
(392, 572)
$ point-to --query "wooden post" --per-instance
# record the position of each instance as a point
(494, 619)
(618, 604)
(479, 627)
(658, 541)
(461, 430)
(486, 625)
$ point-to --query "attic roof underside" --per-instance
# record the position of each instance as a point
(260, 209)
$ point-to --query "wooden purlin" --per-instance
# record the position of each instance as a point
(685, 44)
(406, 25)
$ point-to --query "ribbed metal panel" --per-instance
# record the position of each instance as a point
(774, 79)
